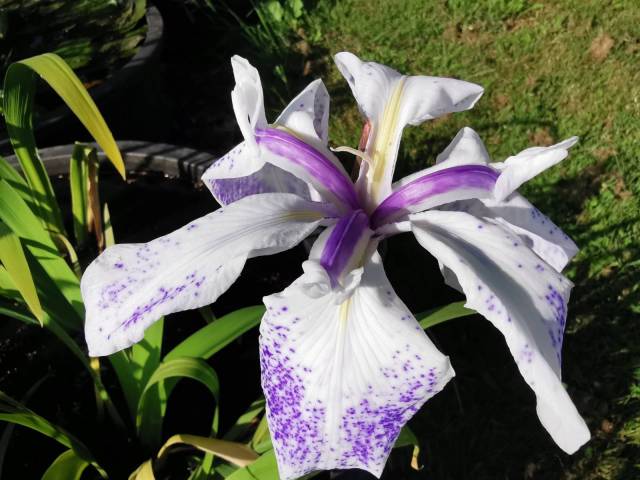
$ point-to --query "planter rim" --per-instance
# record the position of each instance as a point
(175, 161)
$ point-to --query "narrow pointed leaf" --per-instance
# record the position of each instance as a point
(68, 466)
(109, 238)
(237, 453)
(149, 426)
(143, 472)
(19, 218)
(215, 336)
(53, 70)
(442, 314)
(246, 420)
(78, 183)
(14, 412)
(13, 258)
(264, 468)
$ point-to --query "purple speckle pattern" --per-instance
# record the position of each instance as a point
(130, 286)
(558, 305)
(340, 388)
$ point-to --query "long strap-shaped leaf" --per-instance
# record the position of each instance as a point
(193, 368)
(19, 91)
(14, 412)
(68, 466)
(202, 344)
(439, 315)
(13, 258)
(21, 220)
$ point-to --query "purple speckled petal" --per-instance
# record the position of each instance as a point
(130, 286)
(309, 164)
(342, 376)
(521, 295)
(438, 188)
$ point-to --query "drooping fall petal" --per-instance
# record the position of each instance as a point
(343, 375)
(521, 295)
(130, 286)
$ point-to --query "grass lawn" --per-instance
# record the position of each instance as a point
(550, 70)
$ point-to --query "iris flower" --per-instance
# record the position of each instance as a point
(344, 362)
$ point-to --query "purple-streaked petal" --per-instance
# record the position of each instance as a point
(390, 101)
(130, 286)
(521, 295)
(342, 376)
(344, 245)
(438, 188)
(309, 164)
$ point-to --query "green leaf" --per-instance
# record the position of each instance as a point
(19, 91)
(146, 354)
(15, 213)
(215, 336)
(143, 472)
(261, 441)
(14, 412)
(121, 364)
(408, 438)
(265, 468)
(17, 182)
(144, 359)
(78, 183)
(16, 265)
(246, 420)
(442, 314)
(233, 452)
(149, 426)
(67, 466)
(109, 239)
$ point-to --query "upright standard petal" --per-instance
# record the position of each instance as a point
(527, 164)
(342, 376)
(308, 114)
(130, 286)
(389, 101)
(466, 148)
(521, 295)
(245, 169)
